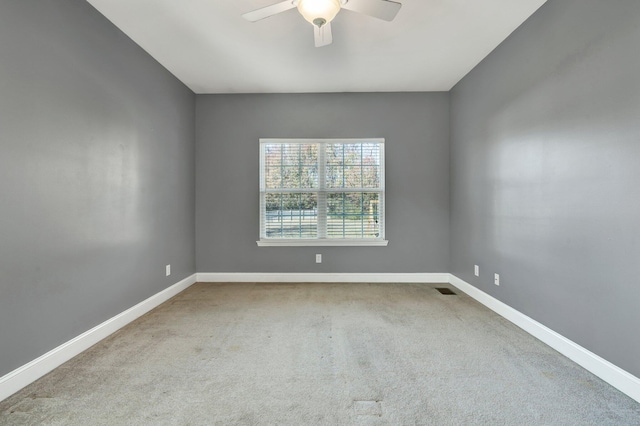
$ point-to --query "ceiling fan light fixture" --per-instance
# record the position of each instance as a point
(319, 12)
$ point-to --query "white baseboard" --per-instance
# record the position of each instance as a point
(28, 373)
(256, 277)
(615, 376)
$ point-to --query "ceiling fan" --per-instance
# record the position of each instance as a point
(320, 13)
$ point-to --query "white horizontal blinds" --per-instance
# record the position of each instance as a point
(322, 195)
(289, 196)
(291, 166)
(354, 190)
(322, 189)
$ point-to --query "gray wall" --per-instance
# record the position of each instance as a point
(96, 175)
(416, 128)
(546, 174)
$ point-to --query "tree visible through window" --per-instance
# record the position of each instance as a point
(322, 189)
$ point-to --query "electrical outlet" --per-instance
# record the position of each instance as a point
(318, 258)
(476, 270)
(167, 270)
(496, 279)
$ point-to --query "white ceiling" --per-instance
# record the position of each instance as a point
(206, 44)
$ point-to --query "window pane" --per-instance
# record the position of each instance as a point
(371, 154)
(371, 176)
(272, 177)
(348, 154)
(291, 215)
(353, 215)
(334, 154)
(353, 177)
(334, 177)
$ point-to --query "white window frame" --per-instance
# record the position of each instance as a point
(323, 241)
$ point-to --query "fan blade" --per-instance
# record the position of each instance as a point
(323, 35)
(381, 9)
(268, 11)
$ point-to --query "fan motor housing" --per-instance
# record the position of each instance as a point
(319, 22)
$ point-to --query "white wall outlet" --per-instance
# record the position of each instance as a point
(476, 270)
(496, 279)
(167, 270)
(318, 258)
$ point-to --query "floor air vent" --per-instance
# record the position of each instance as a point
(444, 290)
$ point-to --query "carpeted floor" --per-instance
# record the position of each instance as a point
(320, 354)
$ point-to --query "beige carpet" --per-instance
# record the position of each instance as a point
(320, 354)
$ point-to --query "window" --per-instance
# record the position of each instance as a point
(321, 192)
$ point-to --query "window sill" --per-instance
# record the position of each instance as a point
(325, 243)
